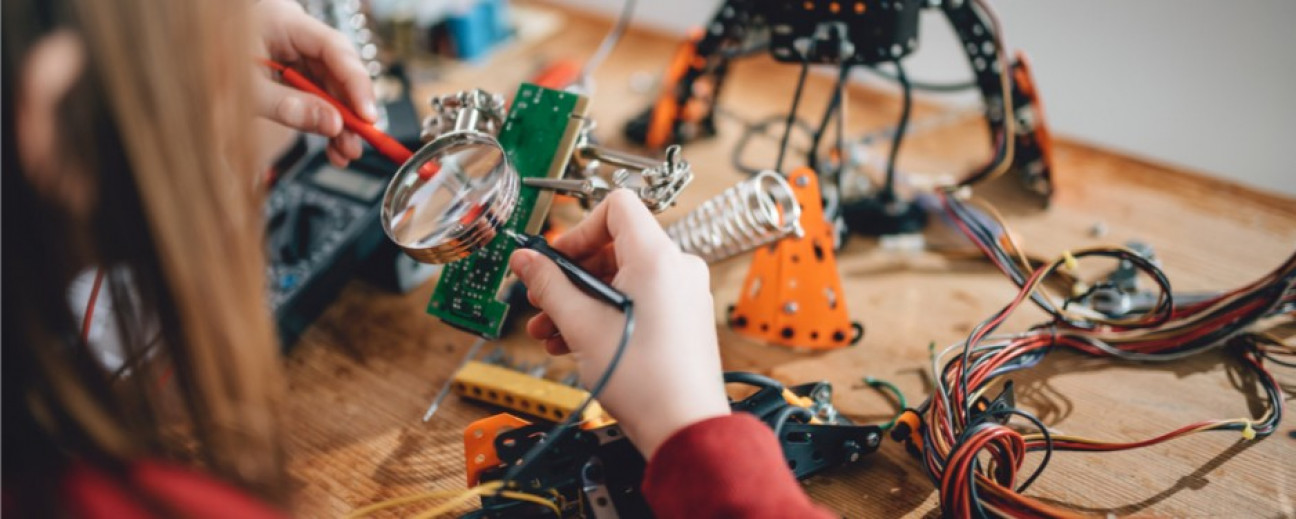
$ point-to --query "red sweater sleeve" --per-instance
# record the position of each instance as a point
(729, 466)
(91, 493)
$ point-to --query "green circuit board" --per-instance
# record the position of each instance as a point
(538, 138)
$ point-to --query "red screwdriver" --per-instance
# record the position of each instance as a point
(385, 144)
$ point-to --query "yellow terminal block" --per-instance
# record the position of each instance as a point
(535, 396)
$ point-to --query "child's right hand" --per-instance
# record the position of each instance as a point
(670, 375)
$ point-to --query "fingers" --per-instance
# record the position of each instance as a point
(344, 148)
(589, 236)
(314, 40)
(556, 346)
(296, 109)
(620, 219)
(550, 290)
(543, 329)
(634, 230)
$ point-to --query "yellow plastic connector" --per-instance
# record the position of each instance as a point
(534, 396)
(1069, 260)
(1248, 432)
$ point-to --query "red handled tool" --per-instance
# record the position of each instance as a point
(385, 144)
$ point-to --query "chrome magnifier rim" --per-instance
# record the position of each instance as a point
(478, 207)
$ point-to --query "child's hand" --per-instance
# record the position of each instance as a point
(324, 55)
(670, 374)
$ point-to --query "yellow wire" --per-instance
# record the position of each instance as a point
(487, 488)
(532, 498)
(446, 507)
(462, 496)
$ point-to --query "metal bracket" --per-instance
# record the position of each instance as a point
(469, 110)
(657, 182)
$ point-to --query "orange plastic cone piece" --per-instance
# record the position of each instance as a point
(793, 293)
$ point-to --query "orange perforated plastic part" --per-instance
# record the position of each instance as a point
(793, 293)
(479, 443)
(661, 126)
(1025, 80)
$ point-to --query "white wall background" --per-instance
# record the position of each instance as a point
(1210, 85)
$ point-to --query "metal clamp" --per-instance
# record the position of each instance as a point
(657, 183)
(470, 110)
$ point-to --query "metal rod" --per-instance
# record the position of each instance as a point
(445, 389)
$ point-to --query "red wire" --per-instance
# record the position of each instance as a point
(88, 318)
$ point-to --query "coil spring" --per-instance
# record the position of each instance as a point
(752, 213)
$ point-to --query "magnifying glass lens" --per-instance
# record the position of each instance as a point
(450, 198)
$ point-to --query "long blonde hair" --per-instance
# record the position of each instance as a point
(162, 119)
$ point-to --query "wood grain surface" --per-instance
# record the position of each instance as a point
(362, 375)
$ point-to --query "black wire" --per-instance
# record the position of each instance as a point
(751, 379)
(558, 431)
(834, 105)
(888, 189)
(791, 117)
(842, 154)
(785, 414)
(927, 86)
(758, 128)
(1048, 444)
(1271, 358)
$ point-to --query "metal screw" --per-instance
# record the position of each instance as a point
(873, 439)
(790, 307)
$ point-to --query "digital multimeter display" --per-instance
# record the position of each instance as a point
(347, 182)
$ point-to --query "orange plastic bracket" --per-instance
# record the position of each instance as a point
(667, 107)
(793, 293)
(1025, 81)
(479, 443)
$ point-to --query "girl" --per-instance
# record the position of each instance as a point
(129, 145)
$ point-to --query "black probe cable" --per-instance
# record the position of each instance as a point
(596, 288)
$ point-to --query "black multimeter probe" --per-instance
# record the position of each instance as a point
(587, 282)
(596, 288)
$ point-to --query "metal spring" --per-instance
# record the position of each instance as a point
(752, 213)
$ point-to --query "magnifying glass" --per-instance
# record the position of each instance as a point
(445, 217)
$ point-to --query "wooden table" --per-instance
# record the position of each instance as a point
(361, 377)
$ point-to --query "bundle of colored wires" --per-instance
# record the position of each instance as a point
(1190, 328)
(968, 448)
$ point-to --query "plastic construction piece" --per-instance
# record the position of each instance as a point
(479, 443)
(598, 473)
(793, 293)
(1034, 151)
(836, 31)
(526, 394)
(538, 138)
